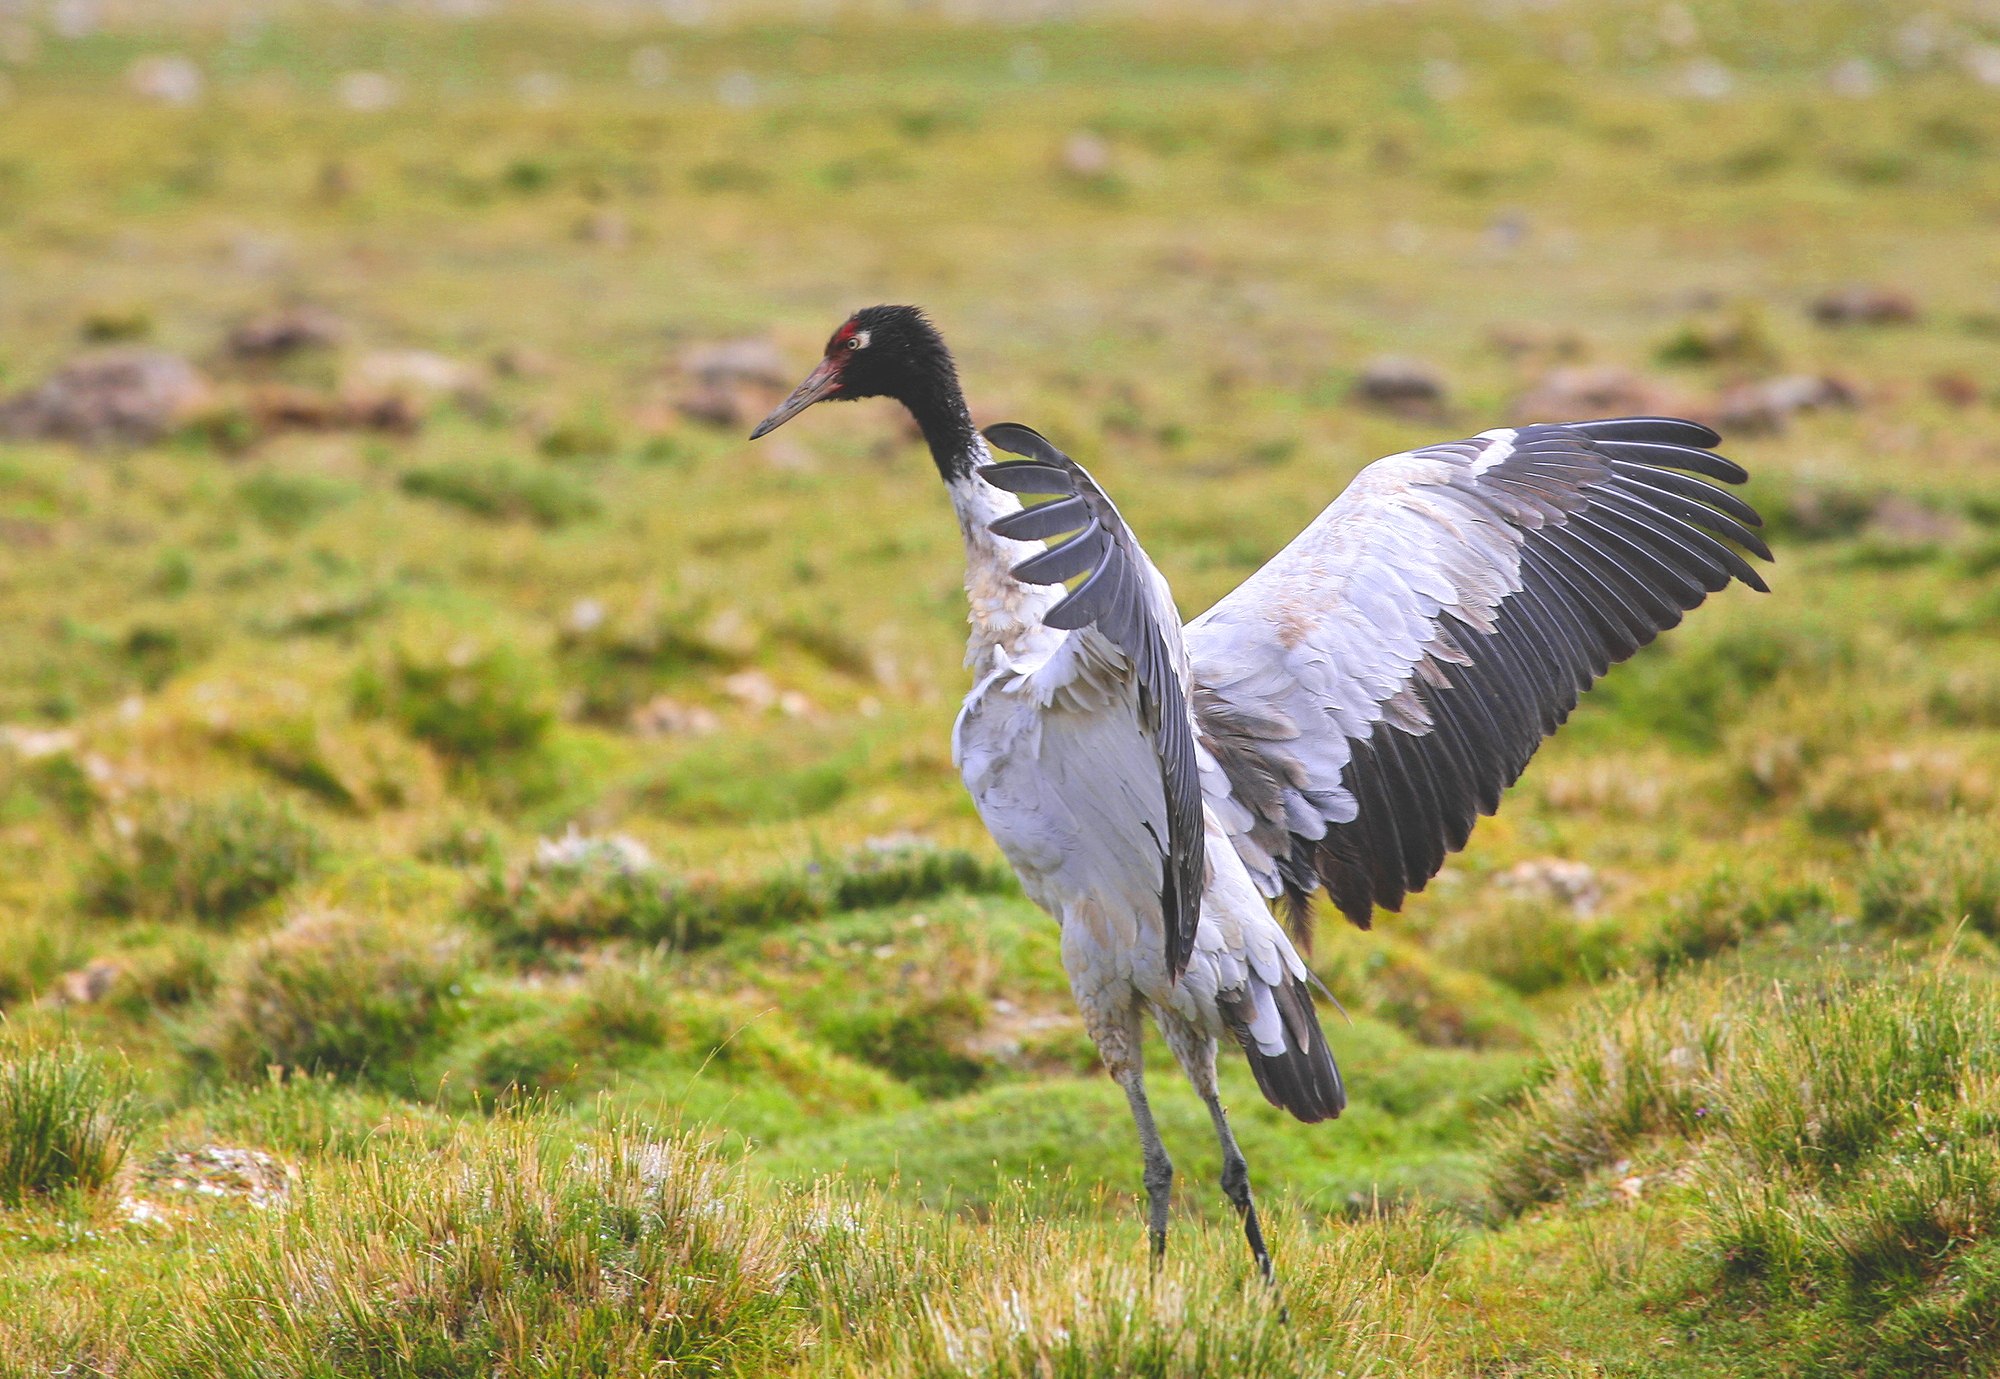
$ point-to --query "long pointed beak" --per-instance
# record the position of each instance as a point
(822, 382)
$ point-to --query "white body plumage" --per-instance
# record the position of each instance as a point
(1051, 745)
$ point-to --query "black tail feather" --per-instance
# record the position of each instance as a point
(1304, 1078)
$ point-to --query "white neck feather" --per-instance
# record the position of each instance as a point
(1006, 615)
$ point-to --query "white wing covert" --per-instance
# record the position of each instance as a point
(1123, 598)
(1363, 697)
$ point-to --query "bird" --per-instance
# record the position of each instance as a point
(1176, 794)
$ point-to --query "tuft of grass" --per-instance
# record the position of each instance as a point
(1689, 688)
(286, 504)
(1724, 910)
(1741, 338)
(615, 666)
(1854, 1201)
(871, 880)
(1532, 945)
(1404, 983)
(33, 953)
(1934, 880)
(315, 1115)
(336, 993)
(66, 1120)
(916, 1041)
(1045, 1290)
(616, 1015)
(477, 707)
(500, 491)
(1807, 1076)
(1102, 1317)
(1630, 1067)
(215, 860)
(594, 899)
(507, 1250)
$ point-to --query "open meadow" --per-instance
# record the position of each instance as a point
(483, 886)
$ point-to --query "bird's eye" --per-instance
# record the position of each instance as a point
(858, 340)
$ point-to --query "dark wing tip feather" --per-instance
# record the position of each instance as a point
(1671, 430)
(1624, 526)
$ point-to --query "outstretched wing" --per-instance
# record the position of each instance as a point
(1369, 692)
(1124, 599)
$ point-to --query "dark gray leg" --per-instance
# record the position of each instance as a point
(1159, 1168)
(1236, 1183)
(1113, 1022)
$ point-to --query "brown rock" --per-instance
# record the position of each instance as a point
(750, 361)
(393, 390)
(1400, 386)
(285, 332)
(88, 984)
(1768, 406)
(381, 411)
(283, 407)
(714, 404)
(1573, 884)
(1086, 155)
(418, 373)
(1902, 521)
(1956, 389)
(662, 717)
(122, 396)
(607, 228)
(1860, 305)
(1580, 394)
(1532, 342)
(523, 361)
(734, 382)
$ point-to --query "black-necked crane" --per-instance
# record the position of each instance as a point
(1337, 722)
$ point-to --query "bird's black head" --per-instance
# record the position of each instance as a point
(889, 351)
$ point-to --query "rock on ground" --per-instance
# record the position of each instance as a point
(122, 396)
(1584, 393)
(287, 331)
(1401, 386)
(1860, 305)
(1574, 884)
(1767, 407)
(734, 382)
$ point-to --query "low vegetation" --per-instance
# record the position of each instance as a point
(214, 860)
(335, 993)
(66, 1121)
(1830, 1143)
(593, 891)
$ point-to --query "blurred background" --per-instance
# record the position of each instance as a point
(416, 695)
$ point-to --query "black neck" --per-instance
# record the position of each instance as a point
(926, 382)
(948, 430)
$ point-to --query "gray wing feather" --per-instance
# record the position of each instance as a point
(1374, 688)
(1114, 598)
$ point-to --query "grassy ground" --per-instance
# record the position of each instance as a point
(482, 885)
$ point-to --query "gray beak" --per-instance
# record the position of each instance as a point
(822, 382)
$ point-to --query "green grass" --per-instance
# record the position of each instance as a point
(66, 1122)
(212, 860)
(297, 719)
(598, 897)
(505, 1252)
(335, 993)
